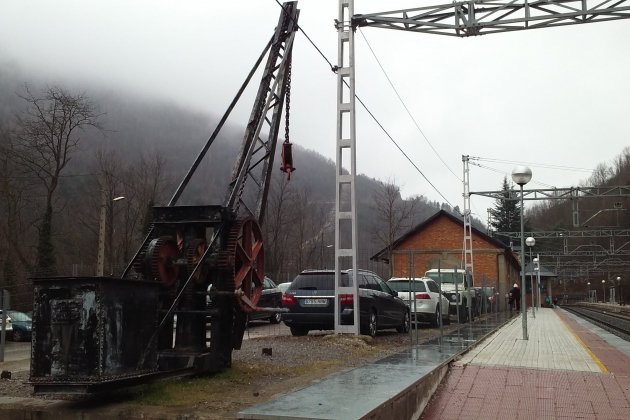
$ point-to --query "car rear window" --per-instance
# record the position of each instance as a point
(317, 281)
(403, 286)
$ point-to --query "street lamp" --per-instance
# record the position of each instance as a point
(620, 291)
(588, 285)
(537, 270)
(530, 242)
(521, 175)
(100, 262)
(604, 290)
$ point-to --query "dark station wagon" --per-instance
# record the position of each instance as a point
(310, 302)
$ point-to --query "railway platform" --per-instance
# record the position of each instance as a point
(568, 368)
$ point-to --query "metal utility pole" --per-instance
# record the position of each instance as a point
(346, 242)
(468, 241)
(537, 260)
(100, 261)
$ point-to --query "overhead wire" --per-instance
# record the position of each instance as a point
(506, 174)
(538, 165)
(334, 69)
(34, 177)
(406, 108)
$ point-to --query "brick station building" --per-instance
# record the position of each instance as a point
(438, 243)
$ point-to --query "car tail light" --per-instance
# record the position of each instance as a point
(288, 299)
(346, 299)
(422, 296)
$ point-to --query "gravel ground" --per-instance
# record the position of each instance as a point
(254, 378)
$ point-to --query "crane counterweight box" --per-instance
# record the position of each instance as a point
(92, 330)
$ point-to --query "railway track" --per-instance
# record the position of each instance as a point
(618, 324)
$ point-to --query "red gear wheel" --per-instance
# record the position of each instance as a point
(194, 252)
(160, 258)
(244, 258)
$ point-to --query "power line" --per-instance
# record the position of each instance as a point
(334, 69)
(402, 151)
(406, 108)
(34, 177)
(506, 174)
(538, 165)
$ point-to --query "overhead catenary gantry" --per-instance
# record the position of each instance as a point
(482, 17)
(602, 258)
(571, 193)
(459, 19)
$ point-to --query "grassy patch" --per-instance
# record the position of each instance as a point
(189, 391)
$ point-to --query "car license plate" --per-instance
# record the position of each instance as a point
(315, 301)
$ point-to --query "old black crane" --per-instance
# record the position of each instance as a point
(181, 305)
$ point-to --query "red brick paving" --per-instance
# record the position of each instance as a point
(485, 392)
(514, 393)
(614, 360)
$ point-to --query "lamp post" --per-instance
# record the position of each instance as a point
(604, 290)
(588, 285)
(530, 242)
(620, 291)
(537, 269)
(521, 175)
(100, 262)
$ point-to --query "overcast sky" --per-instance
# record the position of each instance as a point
(542, 97)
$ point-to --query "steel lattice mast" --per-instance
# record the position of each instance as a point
(346, 247)
(482, 17)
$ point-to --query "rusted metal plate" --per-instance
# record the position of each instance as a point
(92, 329)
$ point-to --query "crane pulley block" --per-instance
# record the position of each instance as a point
(286, 156)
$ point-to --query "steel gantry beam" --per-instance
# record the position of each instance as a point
(481, 17)
(570, 193)
(561, 234)
(574, 194)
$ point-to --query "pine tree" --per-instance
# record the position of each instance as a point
(506, 215)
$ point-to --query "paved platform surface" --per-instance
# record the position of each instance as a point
(356, 393)
(551, 345)
(566, 370)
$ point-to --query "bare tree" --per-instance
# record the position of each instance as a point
(305, 237)
(276, 228)
(393, 215)
(47, 133)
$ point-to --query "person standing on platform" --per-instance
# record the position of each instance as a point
(515, 296)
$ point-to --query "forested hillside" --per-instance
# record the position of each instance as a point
(140, 149)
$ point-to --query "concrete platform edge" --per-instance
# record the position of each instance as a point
(411, 402)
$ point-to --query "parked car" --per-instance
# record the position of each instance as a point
(271, 298)
(284, 286)
(310, 301)
(8, 327)
(422, 296)
(22, 326)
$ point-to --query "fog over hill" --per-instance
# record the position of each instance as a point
(146, 146)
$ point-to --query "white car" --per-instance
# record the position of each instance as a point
(422, 296)
(8, 327)
(284, 286)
